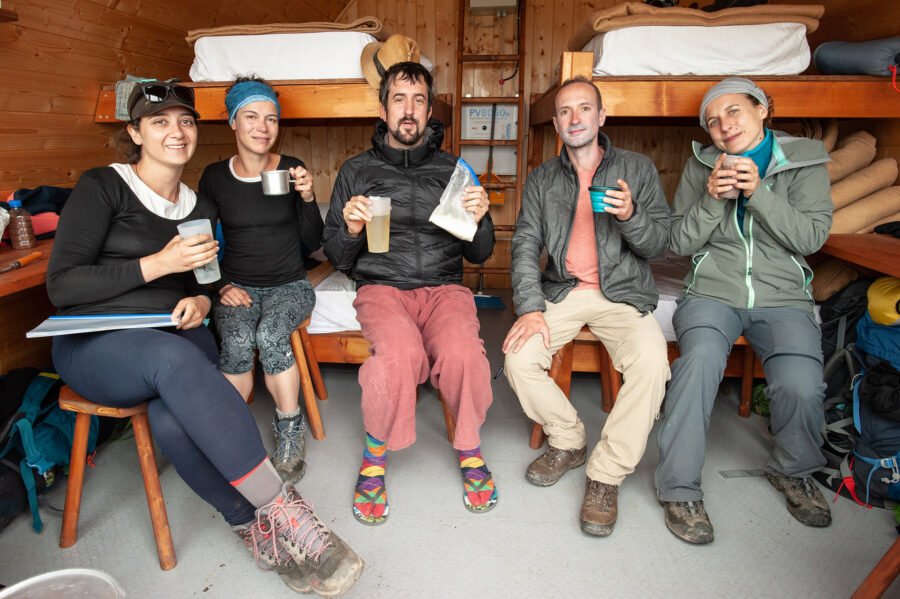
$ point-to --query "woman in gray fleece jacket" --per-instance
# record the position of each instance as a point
(748, 209)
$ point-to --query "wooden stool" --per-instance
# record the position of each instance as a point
(611, 379)
(881, 577)
(70, 400)
(310, 378)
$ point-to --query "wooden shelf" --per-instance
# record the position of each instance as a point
(497, 186)
(489, 142)
(8, 16)
(490, 58)
(880, 253)
(491, 100)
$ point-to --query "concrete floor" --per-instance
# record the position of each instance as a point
(529, 546)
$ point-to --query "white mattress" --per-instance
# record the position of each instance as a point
(334, 305)
(769, 49)
(334, 310)
(334, 299)
(280, 56)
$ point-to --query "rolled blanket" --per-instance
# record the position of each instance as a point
(867, 211)
(637, 14)
(830, 276)
(854, 152)
(887, 219)
(878, 175)
(370, 25)
(830, 135)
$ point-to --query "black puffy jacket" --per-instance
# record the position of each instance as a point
(421, 254)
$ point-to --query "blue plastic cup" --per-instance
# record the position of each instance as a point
(598, 196)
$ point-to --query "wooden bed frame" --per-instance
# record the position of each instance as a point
(680, 97)
(300, 100)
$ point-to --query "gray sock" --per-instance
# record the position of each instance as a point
(287, 415)
(261, 485)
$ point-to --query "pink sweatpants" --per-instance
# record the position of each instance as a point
(412, 332)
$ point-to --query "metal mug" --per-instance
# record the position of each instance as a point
(276, 183)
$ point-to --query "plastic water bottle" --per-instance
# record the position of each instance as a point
(21, 232)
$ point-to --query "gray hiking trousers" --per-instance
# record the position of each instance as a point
(788, 341)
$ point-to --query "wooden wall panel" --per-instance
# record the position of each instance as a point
(59, 53)
(63, 51)
(853, 20)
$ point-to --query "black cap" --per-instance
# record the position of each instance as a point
(139, 105)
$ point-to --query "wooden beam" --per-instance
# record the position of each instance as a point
(313, 99)
(795, 96)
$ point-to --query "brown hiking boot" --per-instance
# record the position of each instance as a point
(599, 508)
(804, 500)
(688, 521)
(550, 466)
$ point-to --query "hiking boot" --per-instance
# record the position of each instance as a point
(261, 543)
(290, 448)
(550, 466)
(324, 560)
(804, 500)
(599, 508)
(688, 521)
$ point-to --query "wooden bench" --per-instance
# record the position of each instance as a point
(585, 353)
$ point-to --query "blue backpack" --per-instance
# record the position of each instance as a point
(871, 472)
(43, 437)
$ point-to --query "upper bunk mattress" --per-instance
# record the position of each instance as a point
(280, 56)
(767, 49)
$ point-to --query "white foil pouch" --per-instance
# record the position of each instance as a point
(450, 214)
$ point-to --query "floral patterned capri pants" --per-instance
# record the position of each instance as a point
(266, 325)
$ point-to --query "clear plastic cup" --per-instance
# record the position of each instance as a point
(378, 230)
(208, 273)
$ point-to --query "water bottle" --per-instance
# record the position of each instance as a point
(21, 233)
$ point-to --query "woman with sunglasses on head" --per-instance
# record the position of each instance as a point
(748, 208)
(266, 293)
(117, 251)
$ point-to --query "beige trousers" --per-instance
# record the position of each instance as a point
(638, 350)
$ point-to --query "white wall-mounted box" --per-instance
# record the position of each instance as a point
(476, 121)
(505, 159)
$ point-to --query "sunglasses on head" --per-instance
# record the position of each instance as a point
(158, 92)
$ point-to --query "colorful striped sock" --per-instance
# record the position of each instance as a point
(370, 503)
(480, 494)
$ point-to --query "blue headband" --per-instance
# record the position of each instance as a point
(247, 92)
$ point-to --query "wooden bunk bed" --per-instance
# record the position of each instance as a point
(799, 96)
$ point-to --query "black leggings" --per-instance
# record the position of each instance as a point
(197, 417)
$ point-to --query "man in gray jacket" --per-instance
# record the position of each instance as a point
(596, 275)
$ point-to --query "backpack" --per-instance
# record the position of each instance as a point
(862, 431)
(840, 314)
(39, 434)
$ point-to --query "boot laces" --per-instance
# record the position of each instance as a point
(289, 442)
(295, 522)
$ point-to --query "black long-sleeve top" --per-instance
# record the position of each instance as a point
(103, 233)
(266, 237)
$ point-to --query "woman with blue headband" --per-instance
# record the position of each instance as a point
(748, 209)
(266, 293)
